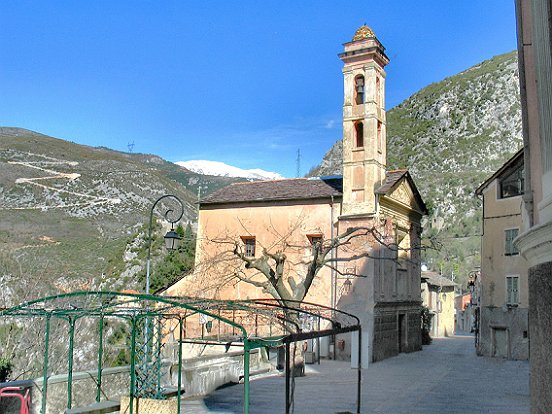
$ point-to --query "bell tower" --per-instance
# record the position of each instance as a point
(364, 135)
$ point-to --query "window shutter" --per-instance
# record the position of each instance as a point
(512, 290)
(515, 290)
(509, 248)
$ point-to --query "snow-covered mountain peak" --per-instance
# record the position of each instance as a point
(221, 169)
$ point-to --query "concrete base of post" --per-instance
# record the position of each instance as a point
(149, 406)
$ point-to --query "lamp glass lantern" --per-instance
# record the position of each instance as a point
(347, 286)
(172, 240)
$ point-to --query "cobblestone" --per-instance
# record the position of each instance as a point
(446, 377)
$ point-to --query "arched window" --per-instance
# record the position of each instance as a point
(359, 90)
(359, 135)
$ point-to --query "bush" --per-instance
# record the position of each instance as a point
(426, 325)
(6, 366)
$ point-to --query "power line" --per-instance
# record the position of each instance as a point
(298, 163)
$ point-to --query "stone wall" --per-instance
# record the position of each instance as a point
(515, 321)
(387, 323)
(204, 374)
(386, 342)
(200, 376)
(414, 331)
(115, 382)
(540, 322)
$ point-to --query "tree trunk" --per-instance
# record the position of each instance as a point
(296, 349)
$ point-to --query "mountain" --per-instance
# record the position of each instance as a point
(452, 135)
(220, 169)
(75, 217)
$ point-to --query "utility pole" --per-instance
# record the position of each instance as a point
(298, 163)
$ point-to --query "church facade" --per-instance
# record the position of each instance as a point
(350, 242)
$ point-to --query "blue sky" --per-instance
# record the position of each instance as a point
(247, 83)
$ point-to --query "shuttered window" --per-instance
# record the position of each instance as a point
(512, 290)
(249, 242)
(509, 248)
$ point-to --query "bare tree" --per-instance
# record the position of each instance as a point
(282, 269)
(291, 289)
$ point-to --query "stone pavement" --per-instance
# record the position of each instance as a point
(446, 377)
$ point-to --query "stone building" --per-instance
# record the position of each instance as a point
(504, 295)
(534, 28)
(438, 295)
(465, 312)
(288, 226)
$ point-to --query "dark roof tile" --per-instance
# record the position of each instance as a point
(289, 189)
(435, 279)
(391, 178)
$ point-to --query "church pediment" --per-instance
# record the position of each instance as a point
(404, 194)
(402, 190)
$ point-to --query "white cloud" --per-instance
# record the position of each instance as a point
(330, 124)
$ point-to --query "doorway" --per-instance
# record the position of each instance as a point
(500, 342)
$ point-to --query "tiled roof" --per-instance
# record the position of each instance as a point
(289, 189)
(435, 279)
(391, 178)
(299, 189)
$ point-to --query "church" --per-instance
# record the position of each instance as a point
(350, 242)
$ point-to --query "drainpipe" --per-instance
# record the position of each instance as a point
(333, 272)
(528, 191)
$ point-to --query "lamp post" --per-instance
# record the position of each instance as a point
(147, 366)
(172, 239)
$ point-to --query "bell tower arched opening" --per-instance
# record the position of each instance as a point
(359, 135)
(359, 90)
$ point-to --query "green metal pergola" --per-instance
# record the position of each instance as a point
(250, 324)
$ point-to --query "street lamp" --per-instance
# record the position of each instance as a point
(149, 355)
(172, 239)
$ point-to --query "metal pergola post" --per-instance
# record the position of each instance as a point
(179, 382)
(158, 356)
(288, 378)
(359, 374)
(100, 358)
(45, 368)
(70, 364)
(246, 359)
(132, 366)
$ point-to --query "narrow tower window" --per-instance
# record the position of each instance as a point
(359, 135)
(378, 101)
(359, 90)
(380, 138)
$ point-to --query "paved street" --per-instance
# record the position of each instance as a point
(446, 377)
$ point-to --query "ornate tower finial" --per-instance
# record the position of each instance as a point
(363, 32)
